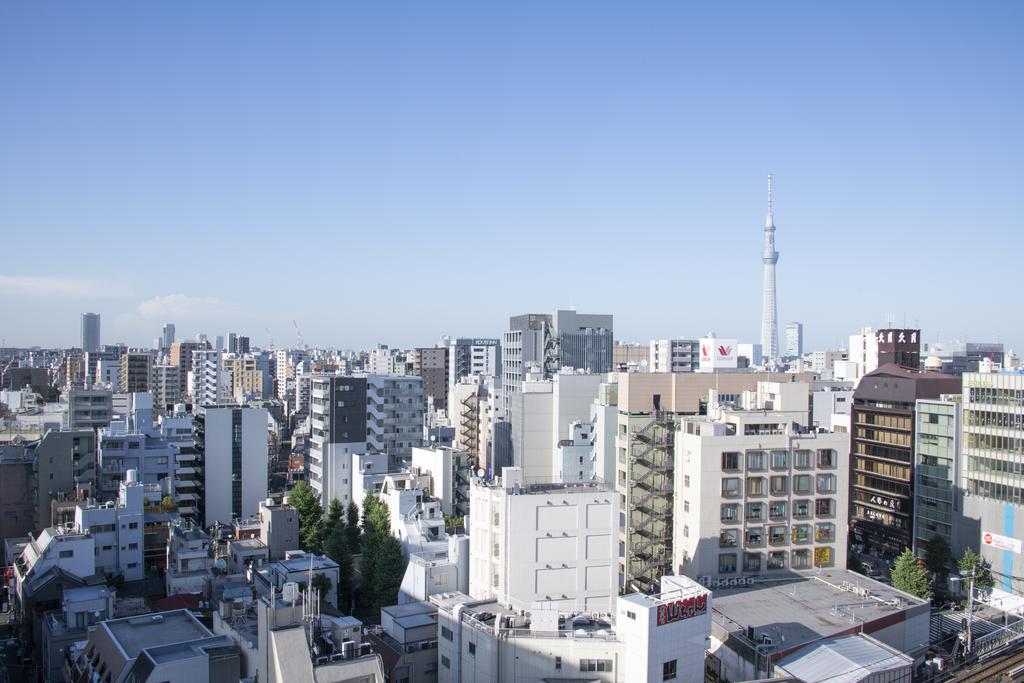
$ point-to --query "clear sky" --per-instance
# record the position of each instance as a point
(397, 171)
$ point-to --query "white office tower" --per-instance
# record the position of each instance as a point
(756, 492)
(769, 312)
(795, 340)
(117, 529)
(863, 355)
(551, 543)
(231, 460)
(642, 639)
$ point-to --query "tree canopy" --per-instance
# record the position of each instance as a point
(305, 500)
(983, 580)
(937, 555)
(910, 577)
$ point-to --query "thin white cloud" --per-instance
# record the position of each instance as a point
(181, 306)
(64, 287)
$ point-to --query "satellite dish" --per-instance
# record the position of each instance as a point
(480, 473)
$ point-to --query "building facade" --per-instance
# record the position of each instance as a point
(674, 355)
(794, 340)
(231, 461)
(90, 332)
(938, 498)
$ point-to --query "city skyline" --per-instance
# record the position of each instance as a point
(509, 148)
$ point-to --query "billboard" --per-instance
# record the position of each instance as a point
(1000, 542)
(717, 353)
(679, 610)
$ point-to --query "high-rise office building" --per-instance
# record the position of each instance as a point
(232, 455)
(136, 371)
(938, 500)
(882, 448)
(232, 342)
(769, 310)
(90, 332)
(993, 472)
(167, 336)
(795, 340)
(431, 364)
(473, 356)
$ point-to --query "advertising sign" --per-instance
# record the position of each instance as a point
(717, 353)
(682, 609)
(1000, 542)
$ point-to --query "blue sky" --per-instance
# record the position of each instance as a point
(395, 172)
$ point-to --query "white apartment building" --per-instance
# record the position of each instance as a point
(863, 354)
(552, 543)
(541, 413)
(673, 355)
(575, 458)
(472, 356)
(360, 414)
(117, 529)
(756, 491)
(209, 383)
(231, 461)
(642, 638)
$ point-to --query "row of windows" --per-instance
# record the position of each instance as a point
(999, 397)
(987, 418)
(879, 484)
(778, 485)
(882, 420)
(995, 443)
(1001, 492)
(901, 472)
(779, 460)
(977, 464)
(754, 537)
(880, 451)
(799, 559)
(776, 510)
(884, 436)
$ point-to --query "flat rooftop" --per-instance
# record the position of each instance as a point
(807, 606)
(135, 634)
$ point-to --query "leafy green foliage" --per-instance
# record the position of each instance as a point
(382, 563)
(335, 546)
(167, 504)
(937, 555)
(352, 531)
(322, 585)
(910, 577)
(972, 561)
(304, 499)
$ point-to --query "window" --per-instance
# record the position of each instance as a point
(558, 663)
(446, 633)
(445, 662)
(472, 649)
(826, 483)
(67, 553)
(825, 533)
(751, 562)
(755, 486)
(777, 560)
(801, 559)
(801, 509)
(728, 538)
(133, 546)
(730, 461)
(731, 487)
(826, 457)
(686, 480)
(730, 512)
(668, 670)
(754, 537)
(801, 533)
(777, 510)
(686, 506)
(727, 563)
(755, 461)
(802, 483)
(802, 460)
(824, 507)
(777, 535)
(779, 485)
(780, 460)
(595, 665)
(755, 511)
(133, 525)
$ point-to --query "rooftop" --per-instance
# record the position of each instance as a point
(135, 634)
(844, 660)
(805, 607)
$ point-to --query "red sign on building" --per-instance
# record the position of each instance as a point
(682, 609)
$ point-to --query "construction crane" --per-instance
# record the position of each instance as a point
(298, 336)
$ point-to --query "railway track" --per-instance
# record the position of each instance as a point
(993, 671)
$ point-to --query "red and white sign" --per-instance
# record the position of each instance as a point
(682, 609)
(717, 353)
(1000, 542)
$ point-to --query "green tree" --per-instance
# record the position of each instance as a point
(304, 499)
(972, 561)
(335, 545)
(333, 519)
(910, 577)
(938, 556)
(322, 585)
(167, 504)
(390, 568)
(352, 527)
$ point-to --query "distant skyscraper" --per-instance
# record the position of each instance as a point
(90, 332)
(769, 312)
(168, 336)
(795, 340)
(232, 342)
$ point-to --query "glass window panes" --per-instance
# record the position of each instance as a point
(755, 460)
(728, 538)
(780, 460)
(779, 485)
(777, 560)
(727, 563)
(730, 512)
(802, 483)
